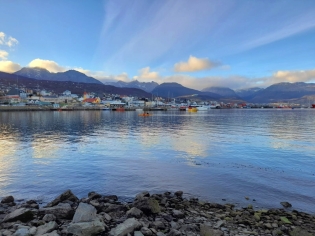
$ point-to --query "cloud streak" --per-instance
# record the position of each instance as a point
(195, 64)
(8, 41)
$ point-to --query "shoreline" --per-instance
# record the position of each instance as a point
(158, 214)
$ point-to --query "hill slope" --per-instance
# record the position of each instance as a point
(43, 74)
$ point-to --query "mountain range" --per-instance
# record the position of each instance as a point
(78, 82)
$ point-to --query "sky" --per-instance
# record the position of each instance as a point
(202, 43)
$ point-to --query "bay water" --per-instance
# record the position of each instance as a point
(267, 155)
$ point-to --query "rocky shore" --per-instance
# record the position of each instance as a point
(158, 214)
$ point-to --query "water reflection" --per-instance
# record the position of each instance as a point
(216, 154)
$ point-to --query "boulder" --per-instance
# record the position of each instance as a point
(62, 210)
(46, 228)
(134, 212)
(22, 214)
(7, 199)
(142, 195)
(128, 226)
(174, 232)
(138, 233)
(49, 217)
(178, 193)
(206, 230)
(148, 206)
(86, 228)
(67, 195)
(146, 231)
(178, 214)
(54, 233)
(84, 213)
(23, 231)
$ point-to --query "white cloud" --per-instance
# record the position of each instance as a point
(3, 54)
(12, 42)
(145, 75)
(47, 64)
(9, 66)
(195, 64)
(7, 41)
(2, 36)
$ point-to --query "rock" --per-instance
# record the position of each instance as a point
(138, 233)
(286, 204)
(299, 232)
(174, 232)
(22, 214)
(46, 228)
(94, 195)
(7, 199)
(157, 225)
(86, 228)
(219, 224)
(146, 231)
(67, 195)
(54, 233)
(160, 234)
(178, 193)
(206, 230)
(142, 195)
(285, 220)
(178, 214)
(134, 212)
(33, 230)
(62, 210)
(84, 213)
(128, 226)
(24, 231)
(49, 217)
(148, 206)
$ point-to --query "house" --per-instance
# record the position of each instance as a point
(92, 100)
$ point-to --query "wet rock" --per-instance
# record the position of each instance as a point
(62, 211)
(84, 213)
(94, 195)
(142, 195)
(128, 226)
(46, 228)
(178, 193)
(49, 217)
(134, 212)
(286, 204)
(67, 195)
(8, 199)
(148, 206)
(86, 228)
(22, 214)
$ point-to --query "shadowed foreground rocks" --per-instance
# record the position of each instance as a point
(158, 214)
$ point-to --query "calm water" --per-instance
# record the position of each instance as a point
(267, 155)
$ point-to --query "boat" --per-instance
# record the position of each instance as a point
(192, 109)
(145, 114)
(313, 105)
(105, 108)
(182, 108)
(120, 109)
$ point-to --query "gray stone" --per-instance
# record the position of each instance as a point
(33, 230)
(146, 231)
(219, 224)
(49, 217)
(142, 195)
(178, 214)
(62, 210)
(134, 212)
(148, 206)
(206, 230)
(86, 228)
(46, 228)
(7, 199)
(22, 214)
(138, 233)
(67, 195)
(157, 224)
(160, 234)
(174, 232)
(84, 213)
(24, 231)
(128, 226)
(54, 233)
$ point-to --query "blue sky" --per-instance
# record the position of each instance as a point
(231, 43)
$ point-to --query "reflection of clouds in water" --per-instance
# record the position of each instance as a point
(45, 147)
